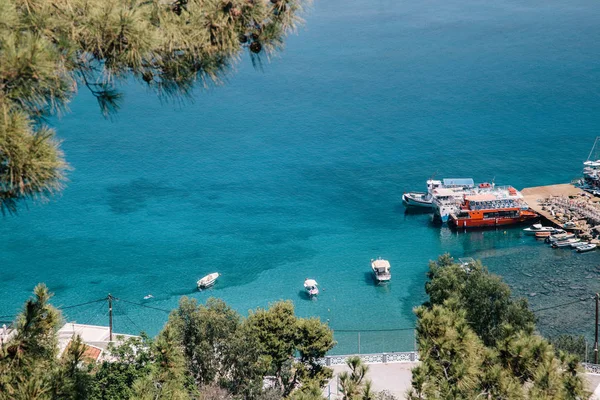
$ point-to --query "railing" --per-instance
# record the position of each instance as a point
(591, 368)
(373, 341)
(375, 358)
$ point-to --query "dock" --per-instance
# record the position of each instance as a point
(533, 195)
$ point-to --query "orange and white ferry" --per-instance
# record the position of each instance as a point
(500, 207)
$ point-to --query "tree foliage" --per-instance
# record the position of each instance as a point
(485, 297)
(205, 351)
(465, 356)
(49, 49)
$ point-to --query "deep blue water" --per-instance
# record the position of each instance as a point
(297, 171)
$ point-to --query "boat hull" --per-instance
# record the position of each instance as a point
(208, 281)
(585, 249)
(381, 279)
(419, 200)
(468, 223)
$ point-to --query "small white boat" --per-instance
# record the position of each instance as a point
(559, 237)
(417, 199)
(570, 225)
(579, 244)
(565, 243)
(207, 281)
(381, 270)
(148, 297)
(310, 285)
(535, 228)
(587, 247)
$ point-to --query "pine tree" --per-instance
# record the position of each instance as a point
(51, 48)
(466, 356)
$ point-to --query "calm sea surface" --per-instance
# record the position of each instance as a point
(296, 171)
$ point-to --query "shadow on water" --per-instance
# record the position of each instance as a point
(187, 292)
(304, 296)
(381, 287)
(412, 210)
(369, 280)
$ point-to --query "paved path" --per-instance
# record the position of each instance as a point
(395, 378)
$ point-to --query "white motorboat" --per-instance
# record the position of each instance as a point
(565, 243)
(208, 280)
(310, 285)
(417, 199)
(148, 297)
(570, 225)
(559, 237)
(381, 270)
(579, 244)
(421, 199)
(587, 247)
(535, 228)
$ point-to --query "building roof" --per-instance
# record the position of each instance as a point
(90, 353)
(459, 182)
(444, 192)
(94, 335)
(481, 197)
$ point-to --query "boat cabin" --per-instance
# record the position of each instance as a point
(381, 270)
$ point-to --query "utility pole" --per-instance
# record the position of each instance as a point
(596, 330)
(110, 320)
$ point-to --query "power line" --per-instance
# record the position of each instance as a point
(82, 304)
(144, 305)
(59, 308)
(374, 330)
(124, 311)
(562, 305)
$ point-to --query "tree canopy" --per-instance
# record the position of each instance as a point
(205, 351)
(51, 48)
(476, 341)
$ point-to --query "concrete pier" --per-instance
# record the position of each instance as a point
(534, 194)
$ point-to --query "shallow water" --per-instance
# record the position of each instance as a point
(297, 171)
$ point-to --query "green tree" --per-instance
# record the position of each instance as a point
(167, 378)
(485, 297)
(49, 49)
(206, 333)
(36, 328)
(570, 344)
(464, 357)
(351, 384)
(72, 380)
(130, 361)
(28, 362)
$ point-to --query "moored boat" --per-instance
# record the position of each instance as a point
(542, 235)
(417, 199)
(587, 247)
(579, 244)
(539, 228)
(310, 285)
(421, 199)
(207, 281)
(570, 225)
(565, 243)
(499, 207)
(449, 196)
(381, 270)
(559, 237)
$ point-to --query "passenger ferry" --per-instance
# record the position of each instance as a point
(500, 207)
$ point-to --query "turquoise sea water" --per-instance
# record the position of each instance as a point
(297, 171)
